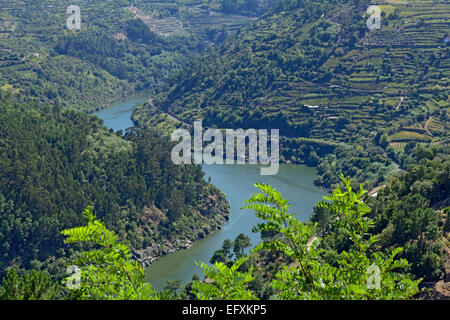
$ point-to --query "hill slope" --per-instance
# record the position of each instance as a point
(119, 48)
(314, 70)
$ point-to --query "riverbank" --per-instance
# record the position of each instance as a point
(211, 212)
(175, 258)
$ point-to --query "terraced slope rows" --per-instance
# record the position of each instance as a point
(112, 55)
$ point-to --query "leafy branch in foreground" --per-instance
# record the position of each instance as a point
(108, 271)
(310, 276)
(226, 283)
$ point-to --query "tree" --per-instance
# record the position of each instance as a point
(223, 254)
(219, 255)
(229, 6)
(250, 5)
(240, 243)
(173, 286)
(447, 219)
(384, 141)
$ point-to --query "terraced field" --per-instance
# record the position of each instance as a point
(203, 19)
(387, 77)
(163, 26)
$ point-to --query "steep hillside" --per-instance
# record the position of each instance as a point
(314, 70)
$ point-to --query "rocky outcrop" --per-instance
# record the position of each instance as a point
(152, 253)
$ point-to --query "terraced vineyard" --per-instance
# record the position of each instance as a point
(412, 34)
(382, 79)
(204, 19)
(163, 26)
(386, 77)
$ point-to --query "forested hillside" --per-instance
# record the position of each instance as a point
(314, 70)
(54, 163)
(328, 257)
(409, 211)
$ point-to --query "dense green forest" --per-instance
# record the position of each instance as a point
(346, 99)
(409, 211)
(327, 257)
(54, 163)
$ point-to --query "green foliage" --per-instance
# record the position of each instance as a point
(309, 276)
(240, 7)
(137, 30)
(224, 283)
(447, 220)
(366, 162)
(172, 286)
(108, 271)
(225, 254)
(240, 243)
(405, 214)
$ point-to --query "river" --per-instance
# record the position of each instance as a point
(295, 182)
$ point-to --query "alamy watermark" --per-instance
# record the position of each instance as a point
(374, 277)
(213, 153)
(373, 21)
(74, 20)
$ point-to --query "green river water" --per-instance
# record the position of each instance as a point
(295, 182)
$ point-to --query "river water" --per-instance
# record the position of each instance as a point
(118, 115)
(295, 182)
